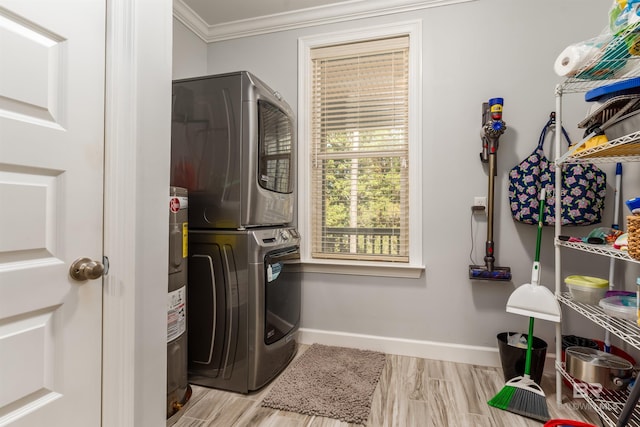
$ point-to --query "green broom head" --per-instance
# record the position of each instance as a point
(521, 395)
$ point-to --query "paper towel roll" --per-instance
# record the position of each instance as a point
(573, 58)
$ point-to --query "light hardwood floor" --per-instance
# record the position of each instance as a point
(411, 392)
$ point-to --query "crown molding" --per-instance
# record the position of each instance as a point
(328, 14)
(190, 19)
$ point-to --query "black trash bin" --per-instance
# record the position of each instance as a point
(514, 358)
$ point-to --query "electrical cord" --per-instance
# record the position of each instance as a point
(474, 209)
(471, 236)
(473, 262)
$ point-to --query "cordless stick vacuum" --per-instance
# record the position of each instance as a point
(493, 126)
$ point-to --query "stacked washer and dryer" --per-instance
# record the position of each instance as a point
(233, 148)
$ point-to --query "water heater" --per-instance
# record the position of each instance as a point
(178, 390)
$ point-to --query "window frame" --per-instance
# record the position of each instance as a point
(415, 266)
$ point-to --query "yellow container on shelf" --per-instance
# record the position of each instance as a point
(593, 142)
(587, 289)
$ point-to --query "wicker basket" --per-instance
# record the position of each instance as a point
(633, 230)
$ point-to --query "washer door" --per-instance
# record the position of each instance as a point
(282, 294)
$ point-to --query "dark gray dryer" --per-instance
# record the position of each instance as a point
(233, 147)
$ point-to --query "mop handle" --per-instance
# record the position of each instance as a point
(527, 363)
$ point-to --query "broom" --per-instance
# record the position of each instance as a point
(521, 395)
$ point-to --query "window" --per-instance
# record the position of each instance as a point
(359, 206)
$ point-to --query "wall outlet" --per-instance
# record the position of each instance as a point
(479, 202)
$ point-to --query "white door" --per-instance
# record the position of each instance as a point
(52, 62)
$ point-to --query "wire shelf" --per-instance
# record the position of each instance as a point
(614, 55)
(617, 63)
(605, 250)
(616, 60)
(626, 330)
(626, 148)
(607, 403)
(576, 85)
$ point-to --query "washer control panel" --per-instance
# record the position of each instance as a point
(276, 236)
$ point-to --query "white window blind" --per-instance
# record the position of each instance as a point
(360, 156)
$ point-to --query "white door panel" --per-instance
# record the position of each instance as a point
(51, 192)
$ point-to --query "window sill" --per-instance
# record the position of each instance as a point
(362, 269)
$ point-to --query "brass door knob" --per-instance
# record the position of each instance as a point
(86, 269)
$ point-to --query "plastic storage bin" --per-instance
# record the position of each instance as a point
(586, 289)
(620, 306)
(634, 205)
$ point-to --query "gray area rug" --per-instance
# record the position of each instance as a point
(333, 382)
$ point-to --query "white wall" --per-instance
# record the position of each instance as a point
(472, 52)
(189, 53)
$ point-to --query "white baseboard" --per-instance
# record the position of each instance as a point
(459, 353)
